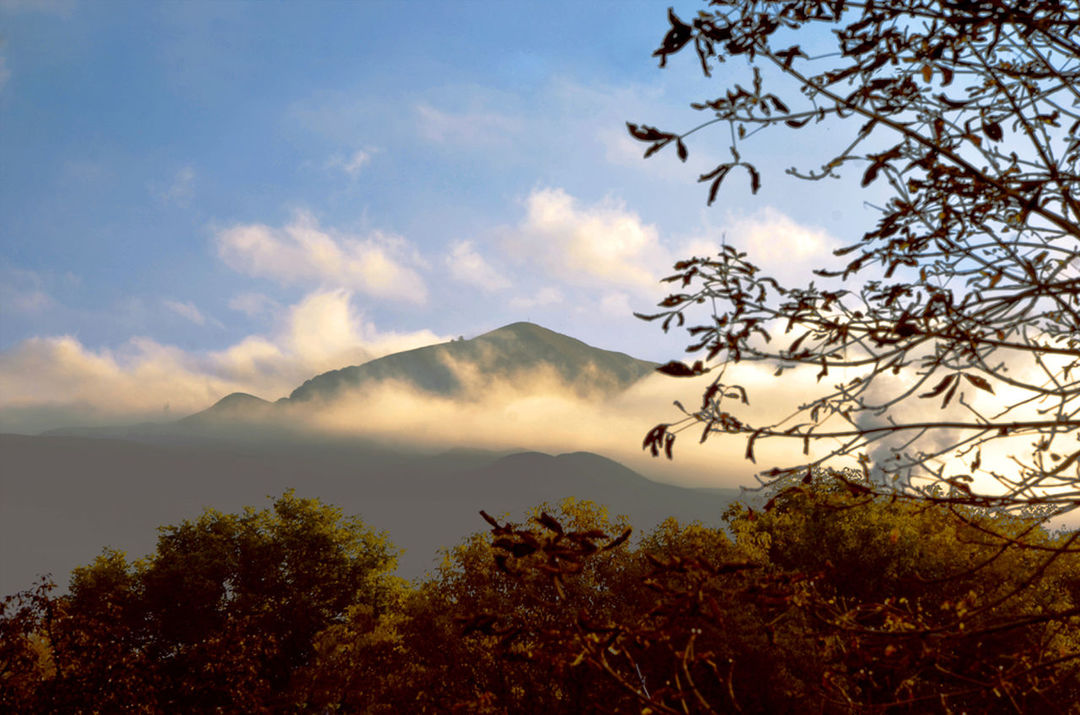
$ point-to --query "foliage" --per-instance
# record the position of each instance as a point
(835, 600)
(965, 292)
(477, 638)
(830, 600)
(220, 616)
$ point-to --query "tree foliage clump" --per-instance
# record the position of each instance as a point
(965, 295)
(220, 617)
(833, 600)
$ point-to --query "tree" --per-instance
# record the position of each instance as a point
(223, 615)
(832, 600)
(478, 638)
(968, 296)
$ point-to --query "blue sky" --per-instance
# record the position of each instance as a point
(197, 197)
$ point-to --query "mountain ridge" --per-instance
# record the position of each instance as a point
(88, 493)
(520, 345)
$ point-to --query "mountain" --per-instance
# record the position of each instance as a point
(62, 499)
(507, 354)
(503, 353)
(237, 406)
(67, 494)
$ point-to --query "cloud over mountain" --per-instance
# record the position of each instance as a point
(48, 382)
(380, 265)
(605, 244)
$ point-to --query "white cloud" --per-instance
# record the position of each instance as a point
(252, 304)
(324, 331)
(181, 189)
(138, 378)
(351, 164)
(186, 310)
(616, 305)
(22, 291)
(537, 409)
(548, 295)
(605, 244)
(66, 380)
(468, 266)
(380, 265)
(472, 128)
(773, 241)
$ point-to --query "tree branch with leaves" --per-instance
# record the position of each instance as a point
(965, 295)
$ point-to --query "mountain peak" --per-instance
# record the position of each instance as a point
(238, 399)
(232, 406)
(503, 353)
(522, 327)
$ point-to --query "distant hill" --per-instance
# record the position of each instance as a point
(62, 499)
(502, 353)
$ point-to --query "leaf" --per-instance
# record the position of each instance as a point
(520, 550)
(927, 73)
(676, 38)
(871, 174)
(645, 133)
(750, 446)
(979, 382)
(549, 523)
(654, 439)
(824, 369)
(789, 55)
(680, 149)
(619, 540)
(940, 387)
(949, 394)
(992, 130)
(656, 147)
(755, 178)
(719, 173)
(677, 369)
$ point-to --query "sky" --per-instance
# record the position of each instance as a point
(197, 197)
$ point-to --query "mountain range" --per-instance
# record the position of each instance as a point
(66, 494)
